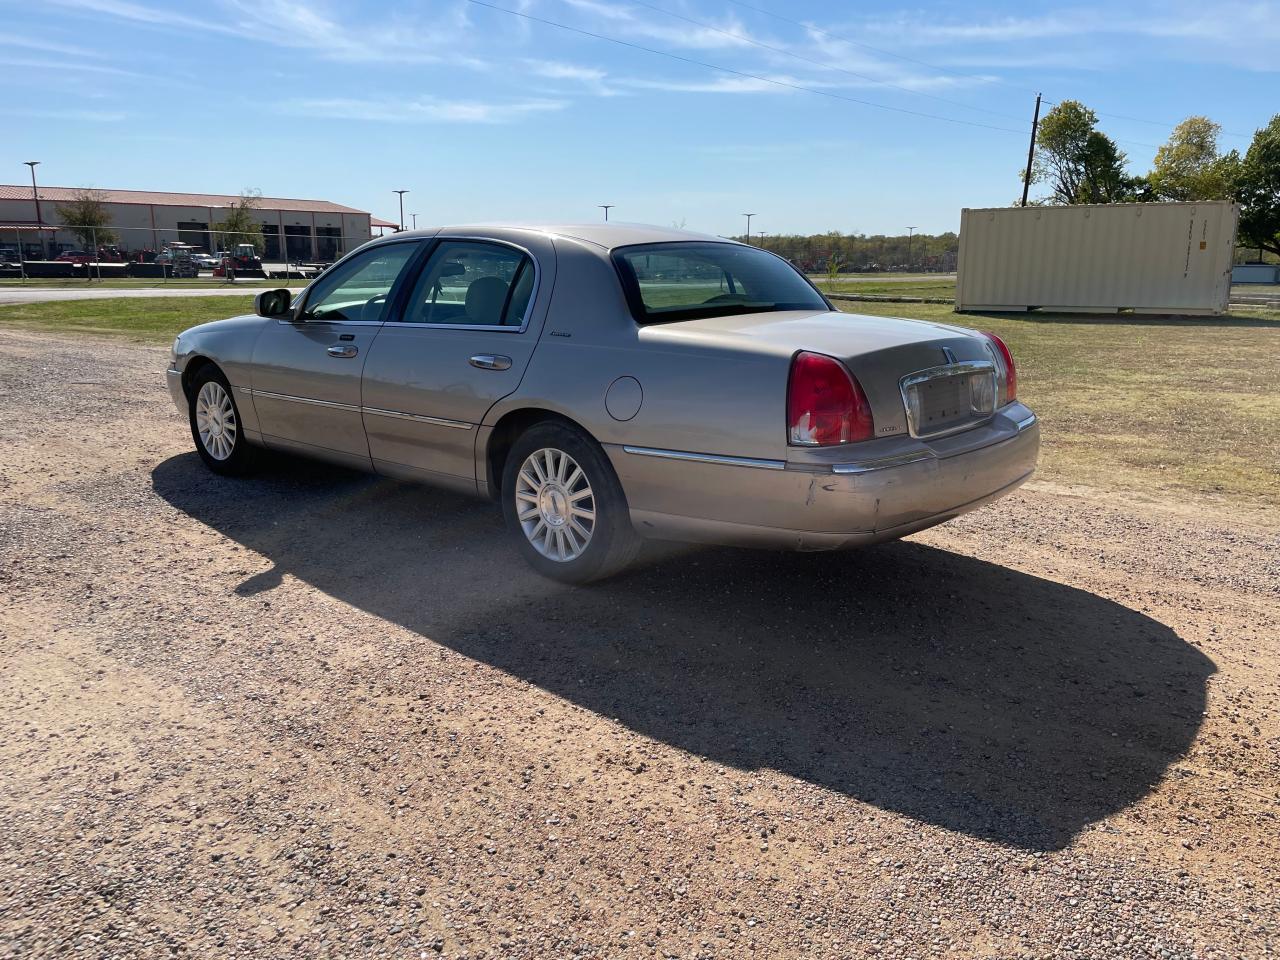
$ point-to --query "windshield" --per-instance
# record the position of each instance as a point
(665, 282)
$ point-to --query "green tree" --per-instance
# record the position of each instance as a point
(834, 263)
(1258, 190)
(240, 224)
(85, 216)
(1189, 167)
(1079, 163)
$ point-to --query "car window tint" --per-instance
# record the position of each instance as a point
(474, 283)
(687, 280)
(357, 289)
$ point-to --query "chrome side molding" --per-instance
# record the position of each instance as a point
(399, 415)
(353, 408)
(707, 458)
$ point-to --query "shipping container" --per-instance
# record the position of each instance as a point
(1098, 258)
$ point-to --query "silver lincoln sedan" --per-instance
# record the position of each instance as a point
(610, 383)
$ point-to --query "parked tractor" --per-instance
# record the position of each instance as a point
(243, 260)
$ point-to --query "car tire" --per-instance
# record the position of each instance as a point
(565, 507)
(216, 426)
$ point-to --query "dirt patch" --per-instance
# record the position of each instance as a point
(316, 712)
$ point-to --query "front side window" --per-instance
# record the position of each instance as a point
(665, 282)
(357, 289)
(473, 283)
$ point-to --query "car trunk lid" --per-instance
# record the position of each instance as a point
(921, 378)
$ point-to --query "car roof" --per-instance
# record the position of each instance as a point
(606, 235)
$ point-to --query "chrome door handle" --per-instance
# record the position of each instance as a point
(343, 350)
(490, 361)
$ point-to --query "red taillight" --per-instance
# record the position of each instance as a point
(1010, 379)
(825, 403)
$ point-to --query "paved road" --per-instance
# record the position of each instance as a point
(45, 294)
(890, 277)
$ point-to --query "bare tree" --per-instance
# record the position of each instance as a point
(240, 224)
(85, 215)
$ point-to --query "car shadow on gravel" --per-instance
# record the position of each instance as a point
(948, 689)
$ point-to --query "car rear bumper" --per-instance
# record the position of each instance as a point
(827, 505)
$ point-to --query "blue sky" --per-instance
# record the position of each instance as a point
(484, 114)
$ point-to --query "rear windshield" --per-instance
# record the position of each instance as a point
(665, 282)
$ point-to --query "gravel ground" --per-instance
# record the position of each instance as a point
(313, 713)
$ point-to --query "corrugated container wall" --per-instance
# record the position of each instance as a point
(1146, 257)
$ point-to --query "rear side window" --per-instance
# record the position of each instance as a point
(665, 282)
(472, 283)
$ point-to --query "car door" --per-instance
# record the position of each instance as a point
(462, 343)
(306, 369)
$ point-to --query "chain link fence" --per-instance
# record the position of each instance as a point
(44, 253)
(175, 254)
(918, 253)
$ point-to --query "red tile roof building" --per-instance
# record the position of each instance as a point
(147, 220)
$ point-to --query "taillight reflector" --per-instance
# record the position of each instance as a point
(825, 403)
(1009, 383)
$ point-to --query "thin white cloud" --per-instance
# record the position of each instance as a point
(1241, 33)
(43, 45)
(593, 80)
(917, 30)
(560, 70)
(315, 26)
(160, 16)
(391, 37)
(638, 22)
(420, 110)
(90, 116)
(721, 85)
(36, 63)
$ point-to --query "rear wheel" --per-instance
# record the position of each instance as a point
(215, 424)
(564, 505)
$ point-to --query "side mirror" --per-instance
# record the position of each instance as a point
(273, 303)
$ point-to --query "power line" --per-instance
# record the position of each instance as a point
(941, 69)
(826, 65)
(740, 73)
(1161, 123)
(888, 53)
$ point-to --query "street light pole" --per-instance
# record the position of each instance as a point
(748, 216)
(402, 193)
(910, 231)
(36, 195)
(415, 220)
(606, 207)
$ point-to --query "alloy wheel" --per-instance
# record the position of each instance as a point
(555, 504)
(216, 420)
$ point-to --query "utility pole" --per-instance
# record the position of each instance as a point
(36, 194)
(910, 231)
(402, 193)
(1031, 151)
(748, 235)
(606, 207)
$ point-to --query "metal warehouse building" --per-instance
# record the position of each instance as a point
(312, 230)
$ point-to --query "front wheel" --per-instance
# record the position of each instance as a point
(564, 505)
(215, 424)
